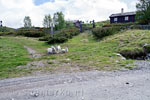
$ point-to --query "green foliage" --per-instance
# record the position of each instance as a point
(143, 12)
(30, 33)
(120, 24)
(27, 22)
(63, 35)
(98, 55)
(69, 24)
(45, 38)
(105, 31)
(132, 52)
(6, 33)
(6, 29)
(102, 23)
(47, 21)
(59, 18)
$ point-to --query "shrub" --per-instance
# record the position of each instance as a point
(6, 33)
(30, 33)
(6, 29)
(63, 35)
(44, 38)
(132, 53)
(120, 24)
(105, 31)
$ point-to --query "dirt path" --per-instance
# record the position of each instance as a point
(91, 85)
(32, 52)
(34, 64)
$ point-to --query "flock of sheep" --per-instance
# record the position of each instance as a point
(57, 50)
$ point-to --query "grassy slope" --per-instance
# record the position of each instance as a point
(12, 54)
(84, 51)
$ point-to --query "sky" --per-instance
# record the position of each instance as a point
(12, 12)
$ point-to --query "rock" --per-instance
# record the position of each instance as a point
(127, 83)
(82, 98)
(34, 94)
(123, 58)
(119, 55)
(117, 61)
(146, 47)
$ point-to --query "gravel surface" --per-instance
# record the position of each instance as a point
(32, 52)
(91, 85)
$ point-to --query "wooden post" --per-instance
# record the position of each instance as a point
(93, 24)
(1, 24)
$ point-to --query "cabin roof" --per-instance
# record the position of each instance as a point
(123, 14)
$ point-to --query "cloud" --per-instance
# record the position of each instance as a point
(14, 11)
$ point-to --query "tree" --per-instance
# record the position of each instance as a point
(47, 21)
(59, 20)
(143, 12)
(27, 22)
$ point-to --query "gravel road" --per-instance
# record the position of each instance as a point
(91, 85)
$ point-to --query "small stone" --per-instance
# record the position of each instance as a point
(65, 82)
(123, 58)
(127, 83)
(117, 61)
(34, 94)
(118, 54)
(82, 98)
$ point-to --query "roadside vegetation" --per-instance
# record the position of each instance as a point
(85, 53)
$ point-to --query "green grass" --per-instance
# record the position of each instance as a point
(84, 51)
(102, 23)
(12, 54)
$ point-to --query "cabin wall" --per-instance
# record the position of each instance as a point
(121, 19)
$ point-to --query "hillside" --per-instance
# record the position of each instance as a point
(85, 53)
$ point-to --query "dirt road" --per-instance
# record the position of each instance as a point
(92, 85)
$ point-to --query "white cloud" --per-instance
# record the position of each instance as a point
(14, 11)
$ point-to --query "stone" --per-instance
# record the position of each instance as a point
(117, 61)
(118, 54)
(127, 83)
(34, 94)
(123, 58)
(146, 47)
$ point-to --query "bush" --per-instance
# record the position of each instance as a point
(63, 35)
(120, 24)
(44, 38)
(132, 53)
(30, 33)
(106, 31)
(6, 29)
(6, 33)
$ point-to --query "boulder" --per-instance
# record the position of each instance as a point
(146, 47)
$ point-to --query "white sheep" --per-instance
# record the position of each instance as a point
(54, 49)
(64, 50)
(58, 48)
(50, 51)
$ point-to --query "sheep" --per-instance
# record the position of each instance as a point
(54, 50)
(50, 51)
(58, 48)
(64, 50)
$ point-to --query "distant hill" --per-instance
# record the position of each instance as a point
(6, 29)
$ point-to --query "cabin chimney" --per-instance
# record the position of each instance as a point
(122, 10)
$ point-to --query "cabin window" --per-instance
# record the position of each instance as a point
(115, 19)
(126, 18)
